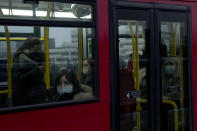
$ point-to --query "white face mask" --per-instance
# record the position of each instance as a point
(85, 71)
(65, 89)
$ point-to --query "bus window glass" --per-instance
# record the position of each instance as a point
(44, 68)
(17, 9)
(133, 63)
(173, 59)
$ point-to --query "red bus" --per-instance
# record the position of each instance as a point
(105, 65)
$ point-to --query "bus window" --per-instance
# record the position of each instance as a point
(42, 64)
(70, 65)
(173, 60)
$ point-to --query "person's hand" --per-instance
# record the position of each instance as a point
(41, 67)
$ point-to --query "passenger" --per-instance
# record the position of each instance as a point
(130, 64)
(28, 73)
(87, 76)
(72, 65)
(170, 80)
(67, 87)
(122, 64)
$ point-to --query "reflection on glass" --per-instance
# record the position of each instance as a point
(133, 63)
(57, 11)
(174, 77)
(70, 62)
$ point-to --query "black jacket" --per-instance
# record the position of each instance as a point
(28, 80)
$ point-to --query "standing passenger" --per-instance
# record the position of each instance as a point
(28, 73)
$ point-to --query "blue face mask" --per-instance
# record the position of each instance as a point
(170, 69)
(85, 71)
(65, 89)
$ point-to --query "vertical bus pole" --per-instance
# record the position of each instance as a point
(80, 50)
(46, 41)
(173, 53)
(9, 63)
(135, 57)
(137, 78)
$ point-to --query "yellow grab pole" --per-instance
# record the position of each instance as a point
(135, 57)
(9, 62)
(175, 112)
(80, 50)
(172, 37)
(141, 100)
(46, 41)
(134, 52)
(137, 77)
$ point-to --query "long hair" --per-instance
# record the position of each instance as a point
(28, 44)
(70, 76)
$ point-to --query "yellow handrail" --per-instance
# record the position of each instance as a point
(138, 107)
(80, 50)
(173, 53)
(139, 100)
(175, 112)
(134, 52)
(9, 62)
(5, 91)
(135, 57)
(18, 39)
(46, 39)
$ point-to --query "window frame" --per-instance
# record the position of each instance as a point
(53, 23)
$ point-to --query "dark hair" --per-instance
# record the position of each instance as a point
(28, 44)
(70, 76)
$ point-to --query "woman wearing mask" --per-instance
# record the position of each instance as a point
(67, 87)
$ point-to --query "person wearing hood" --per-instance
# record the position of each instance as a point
(28, 74)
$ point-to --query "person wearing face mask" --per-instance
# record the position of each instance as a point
(87, 75)
(66, 87)
(28, 74)
(170, 80)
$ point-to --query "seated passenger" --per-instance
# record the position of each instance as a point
(87, 76)
(67, 87)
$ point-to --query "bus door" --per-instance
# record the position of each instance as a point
(153, 70)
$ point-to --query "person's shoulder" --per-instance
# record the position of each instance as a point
(51, 91)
